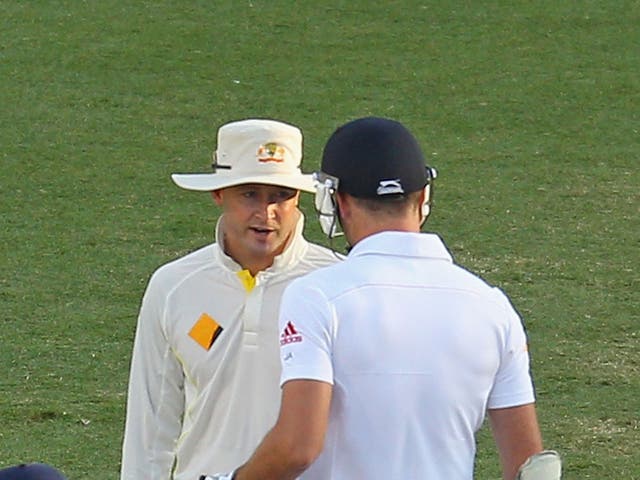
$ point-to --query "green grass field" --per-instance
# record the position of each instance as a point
(529, 111)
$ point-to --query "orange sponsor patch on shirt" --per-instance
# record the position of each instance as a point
(205, 331)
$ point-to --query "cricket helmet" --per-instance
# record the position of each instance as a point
(370, 157)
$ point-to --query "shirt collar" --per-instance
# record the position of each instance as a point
(403, 244)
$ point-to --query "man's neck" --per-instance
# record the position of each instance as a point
(372, 226)
(254, 263)
(251, 263)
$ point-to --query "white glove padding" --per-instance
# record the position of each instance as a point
(545, 465)
(218, 476)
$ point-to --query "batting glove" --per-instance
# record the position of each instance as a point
(545, 465)
(218, 476)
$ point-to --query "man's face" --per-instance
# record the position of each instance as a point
(258, 220)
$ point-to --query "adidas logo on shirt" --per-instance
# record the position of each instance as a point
(290, 335)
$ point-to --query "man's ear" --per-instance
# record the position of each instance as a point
(423, 196)
(344, 204)
(217, 196)
(423, 206)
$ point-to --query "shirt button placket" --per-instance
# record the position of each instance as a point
(252, 312)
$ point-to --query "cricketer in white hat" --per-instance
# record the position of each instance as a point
(253, 151)
(205, 368)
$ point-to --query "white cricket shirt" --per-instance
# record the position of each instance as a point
(203, 387)
(417, 349)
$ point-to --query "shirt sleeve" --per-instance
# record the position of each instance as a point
(155, 401)
(306, 334)
(513, 385)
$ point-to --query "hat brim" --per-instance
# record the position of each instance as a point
(206, 182)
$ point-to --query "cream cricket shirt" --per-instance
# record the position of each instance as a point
(416, 348)
(204, 375)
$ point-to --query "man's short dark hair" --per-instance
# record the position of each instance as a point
(390, 204)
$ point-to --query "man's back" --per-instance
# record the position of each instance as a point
(417, 349)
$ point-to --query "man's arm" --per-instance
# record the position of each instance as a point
(155, 400)
(298, 436)
(517, 436)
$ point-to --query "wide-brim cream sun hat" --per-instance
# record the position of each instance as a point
(253, 151)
